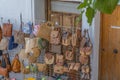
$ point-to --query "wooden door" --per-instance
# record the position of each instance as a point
(68, 20)
(56, 17)
(110, 46)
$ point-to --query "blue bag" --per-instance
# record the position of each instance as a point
(11, 44)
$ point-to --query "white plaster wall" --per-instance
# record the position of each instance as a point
(94, 31)
(11, 9)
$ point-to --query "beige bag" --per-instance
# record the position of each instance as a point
(74, 39)
(44, 31)
(85, 69)
(4, 44)
(66, 37)
(69, 55)
(66, 42)
(19, 37)
(55, 37)
(84, 59)
(65, 69)
(74, 66)
(41, 67)
(58, 69)
(32, 59)
(87, 47)
(23, 55)
(84, 39)
(30, 43)
(55, 49)
(49, 58)
(36, 52)
(59, 59)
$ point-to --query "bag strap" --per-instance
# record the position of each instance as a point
(85, 32)
(89, 40)
(21, 22)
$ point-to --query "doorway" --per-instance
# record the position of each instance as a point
(109, 68)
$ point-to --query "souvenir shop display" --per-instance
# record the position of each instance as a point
(53, 51)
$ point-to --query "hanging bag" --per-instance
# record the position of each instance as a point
(45, 30)
(69, 55)
(86, 44)
(42, 43)
(7, 29)
(74, 39)
(11, 44)
(5, 67)
(6, 62)
(58, 69)
(23, 55)
(84, 59)
(66, 37)
(16, 65)
(30, 43)
(84, 39)
(49, 58)
(55, 37)
(85, 69)
(74, 66)
(41, 67)
(56, 49)
(3, 71)
(59, 59)
(36, 52)
(19, 37)
(4, 44)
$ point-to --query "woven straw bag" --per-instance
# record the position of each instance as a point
(32, 59)
(30, 43)
(36, 52)
(41, 67)
(19, 37)
(49, 58)
(58, 69)
(44, 31)
(84, 59)
(23, 55)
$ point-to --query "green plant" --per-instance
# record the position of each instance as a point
(90, 7)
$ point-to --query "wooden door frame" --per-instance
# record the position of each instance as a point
(100, 45)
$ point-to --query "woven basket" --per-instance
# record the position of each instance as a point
(44, 31)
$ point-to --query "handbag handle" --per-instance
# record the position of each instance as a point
(85, 33)
(21, 22)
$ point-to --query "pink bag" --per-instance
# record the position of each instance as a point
(13, 79)
(36, 27)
